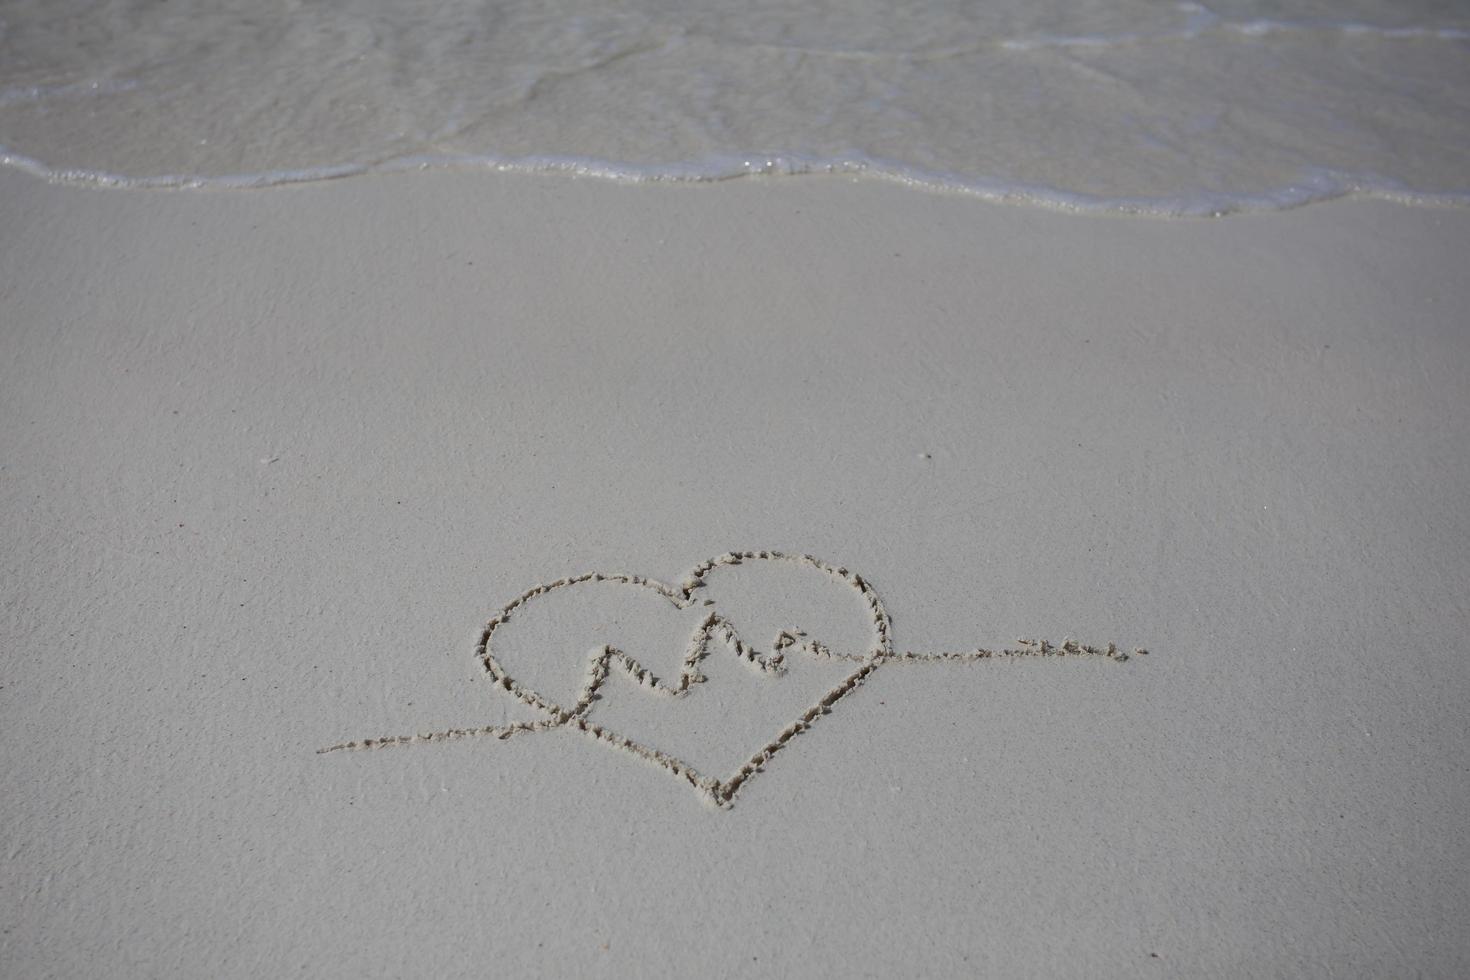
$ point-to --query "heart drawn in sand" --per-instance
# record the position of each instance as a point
(573, 702)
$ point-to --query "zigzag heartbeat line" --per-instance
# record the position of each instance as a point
(601, 662)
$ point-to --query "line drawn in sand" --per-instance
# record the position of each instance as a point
(713, 629)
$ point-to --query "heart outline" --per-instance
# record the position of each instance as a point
(720, 792)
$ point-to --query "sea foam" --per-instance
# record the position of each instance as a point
(1123, 106)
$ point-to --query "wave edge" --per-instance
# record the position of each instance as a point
(1313, 188)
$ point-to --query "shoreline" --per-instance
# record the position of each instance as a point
(1311, 189)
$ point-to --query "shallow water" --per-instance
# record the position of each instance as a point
(1171, 108)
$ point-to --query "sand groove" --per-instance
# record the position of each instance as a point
(603, 661)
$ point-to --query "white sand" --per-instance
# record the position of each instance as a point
(270, 460)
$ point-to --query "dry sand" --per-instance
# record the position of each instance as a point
(269, 460)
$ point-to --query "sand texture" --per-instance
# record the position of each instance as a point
(276, 465)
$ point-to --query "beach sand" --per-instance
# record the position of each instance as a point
(270, 460)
